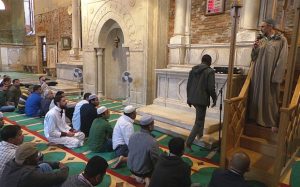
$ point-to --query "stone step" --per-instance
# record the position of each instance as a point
(178, 118)
(208, 141)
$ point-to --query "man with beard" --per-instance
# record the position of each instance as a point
(270, 56)
(57, 130)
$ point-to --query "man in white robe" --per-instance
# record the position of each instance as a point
(57, 130)
(270, 57)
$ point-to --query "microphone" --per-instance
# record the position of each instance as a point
(259, 36)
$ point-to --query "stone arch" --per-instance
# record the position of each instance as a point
(112, 10)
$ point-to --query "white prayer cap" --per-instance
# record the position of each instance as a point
(101, 110)
(1, 115)
(93, 96)
(129, 109)
(146, 120)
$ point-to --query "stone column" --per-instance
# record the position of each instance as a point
(188, 22)
(178, 39)
(99, 73)
(90, 65)
(76, 38)
(249, 21)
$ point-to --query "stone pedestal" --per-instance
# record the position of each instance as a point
(65, 72)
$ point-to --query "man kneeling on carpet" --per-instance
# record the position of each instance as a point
(24, 170)
(56, 129)
(93, 174)
(100, 132)
(143, 151)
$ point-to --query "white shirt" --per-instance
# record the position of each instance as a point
(54, 123)
(122, 131)
(7, 152)
(52, 105)
(76, 115)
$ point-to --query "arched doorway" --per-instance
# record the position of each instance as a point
(115, 61)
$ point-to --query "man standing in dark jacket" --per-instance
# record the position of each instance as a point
(171, 170)
(200, 87)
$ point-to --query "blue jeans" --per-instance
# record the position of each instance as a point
(45, 168)
(9, 108)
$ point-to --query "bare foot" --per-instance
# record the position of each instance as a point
(118, 163)
(274, 129)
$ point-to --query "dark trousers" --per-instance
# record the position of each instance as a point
(199, 124)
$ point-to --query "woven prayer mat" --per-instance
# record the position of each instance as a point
(202, 161)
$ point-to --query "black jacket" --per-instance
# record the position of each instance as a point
(171, 171)
(201, 85)
(88, 112)
(226, 178)
(15, 175)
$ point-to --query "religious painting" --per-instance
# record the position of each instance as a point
(215, 7)
(52, 55)
(66, 43)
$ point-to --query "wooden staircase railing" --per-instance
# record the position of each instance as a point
(234, 119)
(288, 135)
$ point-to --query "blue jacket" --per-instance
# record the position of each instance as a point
(33, 105)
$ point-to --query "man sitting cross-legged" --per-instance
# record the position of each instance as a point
(12, 137)
(101, 131)
(170, 169)
(76, 115)
(143, 151)
(56, 129)
(88, 112)
(24, 170)
(121, 134)
(92, 176)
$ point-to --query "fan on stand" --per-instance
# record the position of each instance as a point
(128, 79)
(77, 75)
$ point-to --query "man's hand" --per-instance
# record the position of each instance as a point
(214, 104)
(256, 44)
(70, 134)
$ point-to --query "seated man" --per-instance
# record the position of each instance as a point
(143, 151)
(101, 131)
(52, 105)
(171, 168)
(23, 170)
(22, 101)
(14, 92)
(33, 103)
(93, 174)
(12, 137)
(234, 175)
(88, 112)
(121, 134)
(5, 106)
(76, 115)
(46, 100)
(43, 84)
(56, 129)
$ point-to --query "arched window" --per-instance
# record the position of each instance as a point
(29, 17)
